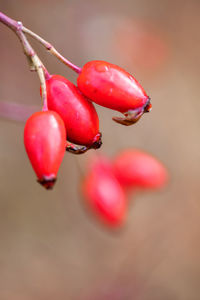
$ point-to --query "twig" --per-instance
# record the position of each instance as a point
(15, 111)
(51, 49)
(32, 57)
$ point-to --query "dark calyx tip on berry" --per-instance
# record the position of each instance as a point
(133, 115)
(148, 105)
(75, 149)
(47, 182)
(97, 141)
(130, 117)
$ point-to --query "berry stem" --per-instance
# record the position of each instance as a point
(33, 59)
(51, 49)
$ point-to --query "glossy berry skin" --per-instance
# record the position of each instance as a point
(79, 115)
(45, 140)
(110, 86)
(104, 195)
(135, 168)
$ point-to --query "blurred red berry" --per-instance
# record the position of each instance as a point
(45, 140)
(104, 195)
(135, 168)
(79, 115)
(110, 86)
(145, 44)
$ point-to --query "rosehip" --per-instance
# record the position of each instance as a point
(104, 194)
(79, 115)
(45, 140)
(135, 168)
(110, 86)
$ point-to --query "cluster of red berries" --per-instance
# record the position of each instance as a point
(72, 119)
(107, 183)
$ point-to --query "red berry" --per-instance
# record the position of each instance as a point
(135, 168)
(104, 194)
(45, 140)
(79, 115)
(110, 86)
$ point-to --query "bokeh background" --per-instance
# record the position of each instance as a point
(50, 247)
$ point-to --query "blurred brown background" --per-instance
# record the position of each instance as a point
(50, 248)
